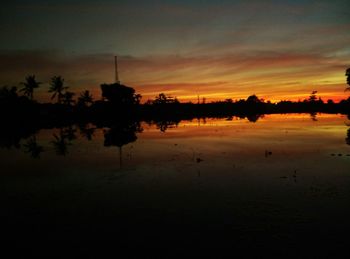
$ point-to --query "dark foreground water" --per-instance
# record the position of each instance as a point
(280, 185)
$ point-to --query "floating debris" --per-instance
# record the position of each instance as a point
(199, 160)
(268, 153)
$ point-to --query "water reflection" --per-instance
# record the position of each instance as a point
(262, 179)
(165, 124)
(62, 141)
(32, 147)
(12, 134)
(122, 133)
(87, 131)
(313, 116)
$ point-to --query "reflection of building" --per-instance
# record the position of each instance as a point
(119, 136)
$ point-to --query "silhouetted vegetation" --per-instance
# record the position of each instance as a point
(61, 142)
(120, 95)
(85, 99)
(29, 85)
(57, 88)
(347, 74)
(22, 117)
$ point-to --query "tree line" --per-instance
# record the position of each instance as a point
(124, 101)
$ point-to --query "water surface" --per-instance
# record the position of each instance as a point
(284, 179)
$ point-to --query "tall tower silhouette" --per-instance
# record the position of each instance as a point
(116, 70)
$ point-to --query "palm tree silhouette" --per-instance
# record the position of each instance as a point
(85, 98)
(33, 148)
(57, 88)
(68, 98)
(29, 85)
(347, 73)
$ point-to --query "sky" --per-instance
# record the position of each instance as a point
(278, 50)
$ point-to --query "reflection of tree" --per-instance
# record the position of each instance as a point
(313, 116)
(32, 147)
(253, 117)
(164, 125)
(69, 133)
(62, 141)
(347, 140)
(86, 131)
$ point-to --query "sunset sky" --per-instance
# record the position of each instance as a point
(278, 50)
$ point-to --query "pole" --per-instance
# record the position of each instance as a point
(116, 70)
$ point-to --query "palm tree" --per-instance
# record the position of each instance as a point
(68, 98)
(29, 85)
(347, 73)
(85, 98)
(57, 88)
(7, 93)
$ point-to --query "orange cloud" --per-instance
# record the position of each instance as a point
(270, 75)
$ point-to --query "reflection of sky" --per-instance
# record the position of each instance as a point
(217, 49)
(296, 143)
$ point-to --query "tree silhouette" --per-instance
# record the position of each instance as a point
(137, 98)
(29, 85)
(67, 98)
(313, 97)
(8, 94)
(119, 94)
(69, 133)
(347, 73)
(33, 148)
(253, 99)
(57, 88)
(163, 99)
(85, 98)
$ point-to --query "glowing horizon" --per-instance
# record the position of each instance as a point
(278, 50)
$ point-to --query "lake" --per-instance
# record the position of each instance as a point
(281, 182)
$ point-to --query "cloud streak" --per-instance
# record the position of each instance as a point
(216, 49)
(273, 74)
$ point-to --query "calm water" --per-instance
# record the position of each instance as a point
(284, 179)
